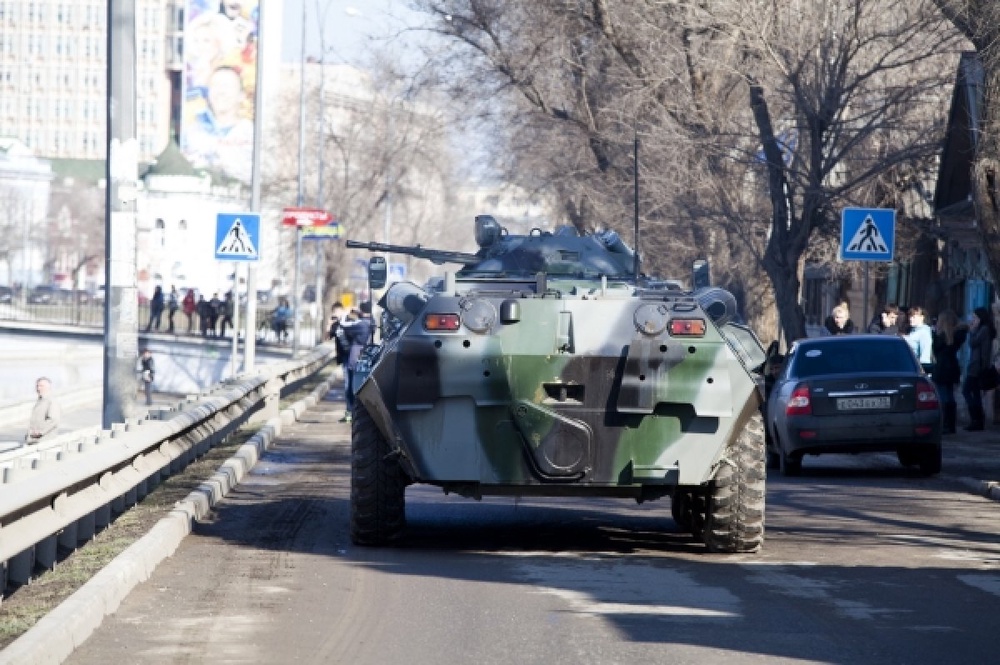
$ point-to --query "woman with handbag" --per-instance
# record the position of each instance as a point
(977, 372)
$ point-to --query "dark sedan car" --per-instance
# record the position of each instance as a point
(853, 394)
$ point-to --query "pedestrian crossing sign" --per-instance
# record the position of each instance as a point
(237, 236)
(867, 234)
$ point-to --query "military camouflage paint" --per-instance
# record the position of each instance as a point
(570, 398)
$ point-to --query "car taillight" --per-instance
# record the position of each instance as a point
(926, 396)
(441, 322)
(799, 403)
(687, 327)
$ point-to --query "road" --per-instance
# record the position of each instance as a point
(864, 563)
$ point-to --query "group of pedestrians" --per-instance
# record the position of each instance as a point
(939, 349)
(212, 317)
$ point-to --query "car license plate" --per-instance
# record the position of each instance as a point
(858, 403)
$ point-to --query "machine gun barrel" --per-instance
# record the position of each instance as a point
(437, 256)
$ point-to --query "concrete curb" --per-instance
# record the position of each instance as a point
(986, 488)
(60, 632)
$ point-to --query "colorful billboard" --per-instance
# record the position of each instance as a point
(220, 74)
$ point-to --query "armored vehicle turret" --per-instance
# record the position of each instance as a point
(547, 365)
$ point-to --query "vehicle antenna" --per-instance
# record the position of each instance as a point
(635, 171)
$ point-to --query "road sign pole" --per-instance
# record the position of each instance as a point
(235, 361)
(295, 292)
(864, 321)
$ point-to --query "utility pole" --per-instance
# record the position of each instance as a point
(121, 306)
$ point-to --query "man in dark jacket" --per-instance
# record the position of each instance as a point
(147, 372)
(338, 334)
(884, 322)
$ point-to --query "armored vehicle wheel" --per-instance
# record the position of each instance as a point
(378, 485)
(734, 515)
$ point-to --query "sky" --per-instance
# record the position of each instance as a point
(349, 25)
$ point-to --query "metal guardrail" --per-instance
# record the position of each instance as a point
(60, 493)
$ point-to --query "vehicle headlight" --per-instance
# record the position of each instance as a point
(478, 315)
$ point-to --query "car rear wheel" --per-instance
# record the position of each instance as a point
(930, 461)
(734, 509)
(790, 463)
(908, 457)
(773, 460)
(378, 484)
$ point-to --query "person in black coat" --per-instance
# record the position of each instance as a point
(155, 309)
(147, 373)
(981, 334)
(948, 339)
(884, 322)
(839, 322)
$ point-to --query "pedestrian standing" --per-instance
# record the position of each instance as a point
(920, 337)
(214, 312)
(337, 333)
(358, 333)
(946, 344)
(226, 311)
(981, 335)
(155, 309)
(279, 320)
(204, 315)
(190, 306)
(172, 306)
(45, 414)
(147, 372)
(838, 323)
(884, 322)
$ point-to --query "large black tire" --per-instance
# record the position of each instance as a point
(734, 515)
(378, 484)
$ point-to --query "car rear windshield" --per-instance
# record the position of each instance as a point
(851, 357)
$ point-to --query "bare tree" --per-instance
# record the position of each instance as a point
(979, 21)
(75, 230)
(759, 120)
(386, 164)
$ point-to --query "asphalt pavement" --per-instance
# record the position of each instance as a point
(971, 462)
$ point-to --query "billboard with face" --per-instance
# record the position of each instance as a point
(220, 65)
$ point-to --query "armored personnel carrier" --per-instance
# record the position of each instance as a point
(547, 365)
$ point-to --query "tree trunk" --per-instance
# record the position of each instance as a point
(986, 168)
(786, 298)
